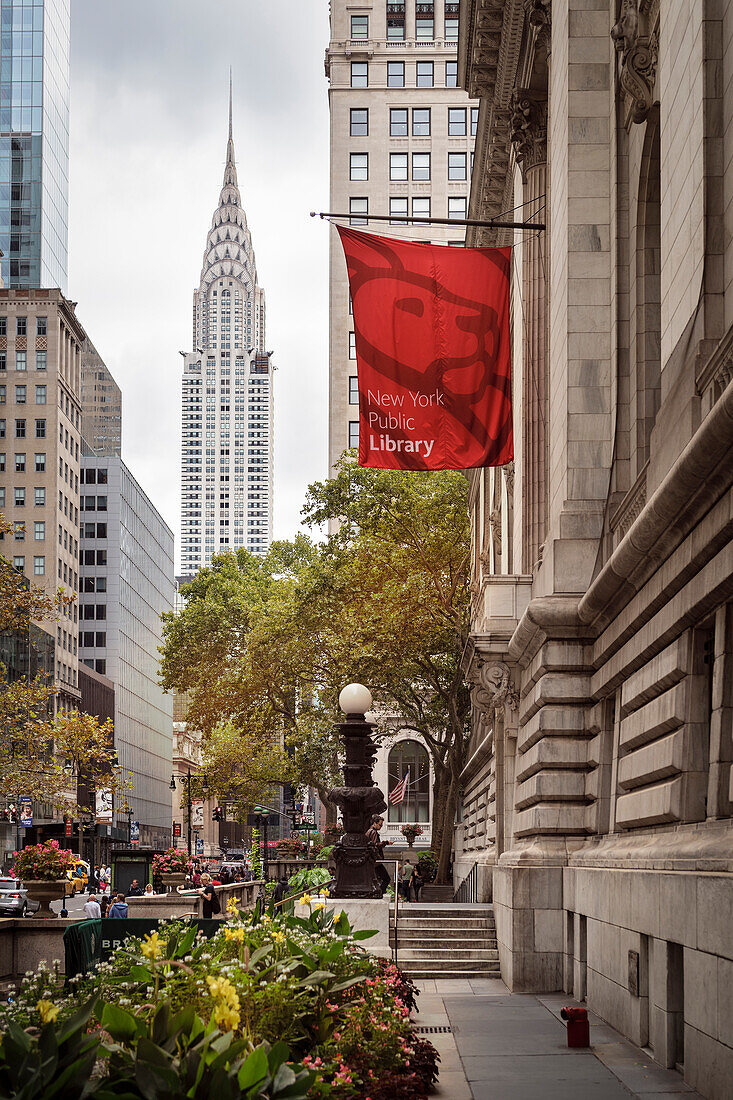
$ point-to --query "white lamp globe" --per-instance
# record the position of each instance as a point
(355, 699)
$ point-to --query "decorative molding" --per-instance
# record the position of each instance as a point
(632, 505)
(639, 51)
(528, 129)
(492, 687)
(717, 371)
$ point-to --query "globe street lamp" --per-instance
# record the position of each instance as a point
(359, 799)
(187, 780)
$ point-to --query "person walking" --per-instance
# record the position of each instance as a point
(211, 901)
(104, 905)
(119, 909)
(406, 874)
(93, 883)
(92, 908)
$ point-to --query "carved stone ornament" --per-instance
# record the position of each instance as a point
(639, 53)
(528, 129)
(539, 14)
(493, 689)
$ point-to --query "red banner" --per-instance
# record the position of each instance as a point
(433, 353)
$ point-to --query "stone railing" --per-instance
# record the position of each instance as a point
(287, 867)
(190, 904)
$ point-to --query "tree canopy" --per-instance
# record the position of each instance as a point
(266, 644)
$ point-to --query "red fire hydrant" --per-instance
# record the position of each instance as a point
(578, 1026)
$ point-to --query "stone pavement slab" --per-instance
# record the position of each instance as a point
(505, 1046)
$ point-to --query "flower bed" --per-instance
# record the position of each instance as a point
(43, 862)
(272, 1006)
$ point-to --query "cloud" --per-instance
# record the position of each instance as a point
(149, 86)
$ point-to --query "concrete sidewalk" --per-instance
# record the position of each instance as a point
(505, 1046)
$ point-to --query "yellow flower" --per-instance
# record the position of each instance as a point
(318, 905)
(48, 1011)
(305, 900)
(221, 989)
(234, 934)
(278, 937)
(232, 905)
(325, 892)
(152, 947)
(225, 1017)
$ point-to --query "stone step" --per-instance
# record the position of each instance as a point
(428, 968)
(460, 928)
(445, 910)
(446, 975)
(438, 933)
(483, 954)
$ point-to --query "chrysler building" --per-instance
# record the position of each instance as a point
(226, 454)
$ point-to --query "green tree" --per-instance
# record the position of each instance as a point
(267, 644)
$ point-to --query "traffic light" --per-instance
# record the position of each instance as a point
(217, 815)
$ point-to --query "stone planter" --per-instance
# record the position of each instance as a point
(173, 879)
(46, 891)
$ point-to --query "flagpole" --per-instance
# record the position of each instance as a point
(403, 219)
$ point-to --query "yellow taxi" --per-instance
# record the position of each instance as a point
(78, 876)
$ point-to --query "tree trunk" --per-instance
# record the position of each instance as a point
(441, 786)
(330, 808)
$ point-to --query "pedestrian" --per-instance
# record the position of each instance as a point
(208, 893)
(104, 905)
(119, 909)
(92, 908)
(136, 890)
(196, 877)
(406, 873)
(93, 883)
(149, 890)
(373, 837)
(417, 883)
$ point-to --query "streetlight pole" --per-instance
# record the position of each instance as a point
(188, 806)
(187, 780)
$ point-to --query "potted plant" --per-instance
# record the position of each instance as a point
(410, 832)
(171, 867)
(43, 868)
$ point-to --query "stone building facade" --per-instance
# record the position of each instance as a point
(598, 792)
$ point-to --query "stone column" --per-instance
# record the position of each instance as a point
(409, 20)
(529, 137)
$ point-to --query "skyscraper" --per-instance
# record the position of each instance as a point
(226, 453)
(402, 137)
(101, 404)
(34, 142)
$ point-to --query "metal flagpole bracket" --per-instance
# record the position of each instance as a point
(405, 220)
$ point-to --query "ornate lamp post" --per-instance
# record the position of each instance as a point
(187, 780)
(359, 799)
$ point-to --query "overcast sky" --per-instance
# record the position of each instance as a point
(149, 88)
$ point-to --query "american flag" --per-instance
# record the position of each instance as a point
(400, 790)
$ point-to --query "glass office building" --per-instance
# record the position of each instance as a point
(34, 142)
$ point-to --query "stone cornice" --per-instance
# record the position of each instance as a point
(528, 129)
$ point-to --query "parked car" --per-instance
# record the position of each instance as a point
(14, 900)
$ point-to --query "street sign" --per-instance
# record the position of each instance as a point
(176, 829)
(67, 827)
(197, 813)
(26, 811)
(135, 832)
(309, 816)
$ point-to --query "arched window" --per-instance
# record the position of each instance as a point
(409, 756)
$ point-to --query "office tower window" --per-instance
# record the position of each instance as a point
(3, 394)
(2, 462)
(359, 74)
(456, 207)
(39, 565)
(421, 122)
(21, 326)
(39, 496)
(100, 666)
(397, 122)
(359, 121)
(451, 74)
(396, 20)
(2, 429)
(397, 210)
(424, 29)
(352, 345)
(421, 207)
(20, 395)
(40, 395)
(21, 360)
(353, 389)
(425, 74)
(358, 208)
(3, 326)
(19, 531)
(360, 26)
(40, 429)
(451, 29)
(421, 166)
(457, 121)
(39, 530)
(474, 120)
(20, 429)
(40, 462)
(398, 166)
(359, 166)
(2, 498)
(395, 74)
(20, 497)
(353, 434)
(41, 326)
(3, 360)
(456, 166)
(19, 563)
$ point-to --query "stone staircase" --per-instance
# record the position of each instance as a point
(446, 941)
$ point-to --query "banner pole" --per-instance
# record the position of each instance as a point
(405, 220)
